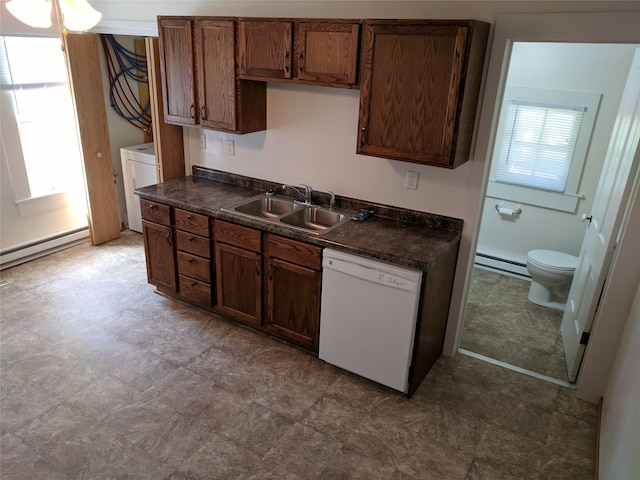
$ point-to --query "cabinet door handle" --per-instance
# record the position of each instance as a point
(269, 273)
(192, 111)
(203, 113)
(301, 63)
(257, 268)
(286, 64)
(169, 238)
(362, 135)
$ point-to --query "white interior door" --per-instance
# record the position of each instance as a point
(606, 216)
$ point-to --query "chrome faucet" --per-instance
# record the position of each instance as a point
(332, 201)
(307, 192)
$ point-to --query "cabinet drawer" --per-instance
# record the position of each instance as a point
(293, 251)
(188, 242)
(155, 212)
(192, 222)
(194, 266)
(194, 290)
(243, 237)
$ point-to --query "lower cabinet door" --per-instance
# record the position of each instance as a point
(293, 302)
(159, 252)
(239, 277)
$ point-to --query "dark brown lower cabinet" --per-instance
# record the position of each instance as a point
(239, 272)
(161, 264)
(292, 290)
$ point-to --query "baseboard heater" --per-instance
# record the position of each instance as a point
(502, 265)
(42, 247)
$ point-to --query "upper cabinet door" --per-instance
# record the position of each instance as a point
(265, 48)
(328, 52)
(176, 63)
(215, 53)
(419, 92)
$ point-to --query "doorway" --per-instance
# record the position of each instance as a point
(499, 322)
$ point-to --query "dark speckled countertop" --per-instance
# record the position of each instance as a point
(401, 236)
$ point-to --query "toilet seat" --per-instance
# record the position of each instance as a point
(552, 260)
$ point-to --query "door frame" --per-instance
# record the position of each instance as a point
(574, 28)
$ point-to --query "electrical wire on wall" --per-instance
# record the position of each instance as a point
(126, 68)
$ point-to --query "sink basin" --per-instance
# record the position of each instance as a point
(289, 213)
(315, 219)
(267, 207)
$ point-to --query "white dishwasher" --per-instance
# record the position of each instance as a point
(368, 317)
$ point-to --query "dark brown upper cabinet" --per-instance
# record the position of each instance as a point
(199, 84)
(311, 52)
(419, 89)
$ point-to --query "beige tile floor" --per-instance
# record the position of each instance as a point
(102, 378)
(501, 323)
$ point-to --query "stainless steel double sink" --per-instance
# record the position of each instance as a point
(290, 213)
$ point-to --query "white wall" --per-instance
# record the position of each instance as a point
(591, 68)
(620, 428)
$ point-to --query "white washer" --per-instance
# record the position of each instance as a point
(138, 170)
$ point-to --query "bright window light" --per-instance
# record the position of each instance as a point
(34, 74)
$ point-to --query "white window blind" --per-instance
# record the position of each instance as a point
(538, 144)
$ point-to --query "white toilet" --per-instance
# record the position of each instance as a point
(551, 273)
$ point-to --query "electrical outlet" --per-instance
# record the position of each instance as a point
(203, 140)
(412, 180)
(229, 147)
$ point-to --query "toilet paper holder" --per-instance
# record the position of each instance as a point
(509, 212)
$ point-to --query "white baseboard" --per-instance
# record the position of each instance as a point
(31, 251)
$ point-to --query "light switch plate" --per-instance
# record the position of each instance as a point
(229, 147)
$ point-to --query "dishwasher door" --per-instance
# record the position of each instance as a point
(368, 317)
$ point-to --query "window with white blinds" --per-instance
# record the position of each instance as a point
(541, 146)
(538, 145)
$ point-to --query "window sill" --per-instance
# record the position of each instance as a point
(564, 202)
(45, 203)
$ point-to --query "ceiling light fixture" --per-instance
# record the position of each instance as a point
(77, 15)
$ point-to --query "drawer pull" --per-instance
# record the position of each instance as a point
(152, 206)
(190, 260)
(189, 217)
(193, 284)
(190, 238)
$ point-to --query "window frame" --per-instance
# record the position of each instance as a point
(564, 201)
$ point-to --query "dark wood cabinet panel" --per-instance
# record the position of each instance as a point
(160, 256)
(195, 291)
(239, 283)
(311, 52)
(206, 69)
(293, 302)
(327, 52)
(188, 242)
(292, 290)
(265, 48)
(419, 91)
(194, 266)
(192, 222)
(215, 50)
(243, 237)
(155, 212)
(176, 64)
